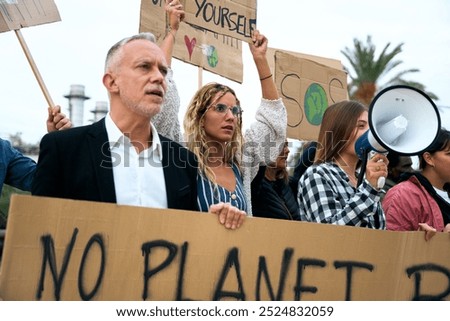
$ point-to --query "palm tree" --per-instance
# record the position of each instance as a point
(369, 70)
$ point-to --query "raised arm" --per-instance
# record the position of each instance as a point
(174, 14)
(259, 49)
(267, 134)
(166, 121)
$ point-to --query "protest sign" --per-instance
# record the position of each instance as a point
(17, 14)
(76, 250)
(308, 85)
(219, 54)
(234, 18)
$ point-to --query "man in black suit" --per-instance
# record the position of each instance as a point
(121, 158)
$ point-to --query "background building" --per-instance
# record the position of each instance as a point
(76, 104)
(100, 110)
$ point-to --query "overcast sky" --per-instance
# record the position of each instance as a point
(72, 51)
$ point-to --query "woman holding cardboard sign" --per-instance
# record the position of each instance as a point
(213, 130)
(167, 120)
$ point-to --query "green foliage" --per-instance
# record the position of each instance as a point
(369, 69)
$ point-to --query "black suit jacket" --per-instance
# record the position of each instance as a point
(77, 164)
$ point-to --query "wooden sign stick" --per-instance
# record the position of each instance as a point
(200, 77)
(34, 68)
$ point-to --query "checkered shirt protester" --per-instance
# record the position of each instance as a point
(325, 195)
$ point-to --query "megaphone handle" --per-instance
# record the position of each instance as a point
(381, 181)
(362, 171)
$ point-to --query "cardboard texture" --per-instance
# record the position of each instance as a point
(73, 250)
(308, 85)
(233, 18)
(211, 51)
(330, 62)
(16, 14)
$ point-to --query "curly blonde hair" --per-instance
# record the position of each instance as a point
(195, 134)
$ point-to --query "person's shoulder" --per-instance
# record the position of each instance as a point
(323, 168)
(408, 188)
(7, 149)
(410, 183)
(4, 143)
(74, 132)
(329, 172)
(171, 145)
(314, 169)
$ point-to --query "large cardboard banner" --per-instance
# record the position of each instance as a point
(72, 250)
(234, 18)
(217, 53)
(16, 14)
(308, 85)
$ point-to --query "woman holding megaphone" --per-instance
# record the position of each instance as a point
(328, 191)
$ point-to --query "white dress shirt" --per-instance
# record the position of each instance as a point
(138, 178)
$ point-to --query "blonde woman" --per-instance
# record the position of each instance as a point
(213, 129)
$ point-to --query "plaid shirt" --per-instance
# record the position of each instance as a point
(325, 195)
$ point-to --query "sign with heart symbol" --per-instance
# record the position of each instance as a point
(190, 45)
(205, 48)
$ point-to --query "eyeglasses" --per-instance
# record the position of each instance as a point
(222, 108)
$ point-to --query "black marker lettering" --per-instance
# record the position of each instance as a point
(184, 249)
(148, 273)
(262, 270)
(199, 7)
(50, 257)
(301, 265)
(349, 265)
(95, 239)
(416, 270)
(232, 261)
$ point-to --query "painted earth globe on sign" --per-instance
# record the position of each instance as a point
(211, 55)
(315, 104)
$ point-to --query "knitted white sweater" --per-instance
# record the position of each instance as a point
(166, 121)
(263, 142)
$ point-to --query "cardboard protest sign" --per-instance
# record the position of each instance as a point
(216, 53)
(234, 18)
(16, 14)
(72, 250)
(308, 85)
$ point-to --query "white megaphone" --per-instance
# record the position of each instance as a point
(402, 119)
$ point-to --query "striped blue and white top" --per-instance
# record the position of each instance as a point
(208, 194)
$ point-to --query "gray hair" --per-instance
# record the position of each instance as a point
(112, 54)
